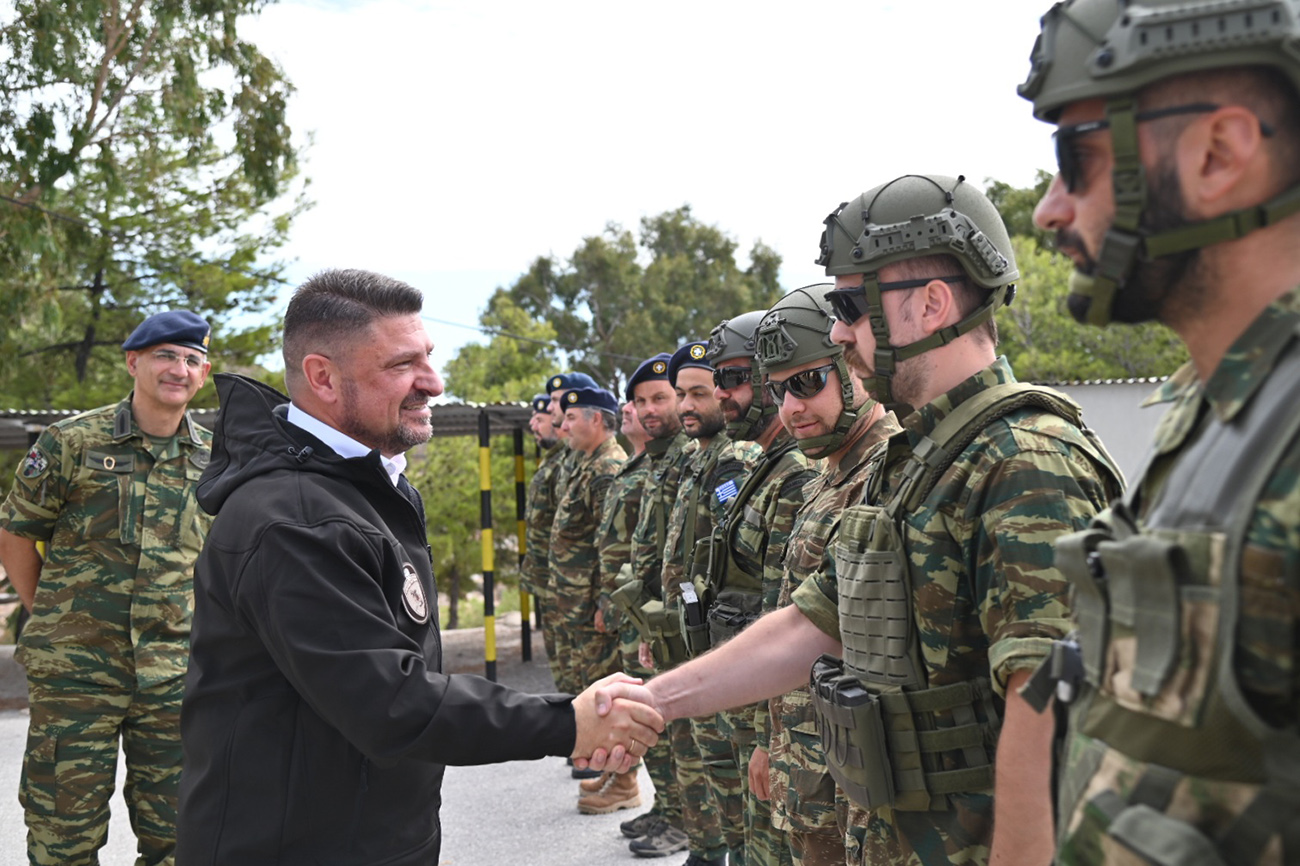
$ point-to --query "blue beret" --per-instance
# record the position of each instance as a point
(175, 326)
(541, 404)
(590, 398)
(689, 355)
(565, 381)
(650, 370)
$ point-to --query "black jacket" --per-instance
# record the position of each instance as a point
(316, 722)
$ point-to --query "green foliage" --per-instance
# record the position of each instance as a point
(1045, 344)
(142, 146)
(616, 301)
(1016, 204)
(514, 364)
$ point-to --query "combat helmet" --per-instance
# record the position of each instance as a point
(737, 338)
(1110, 50)
(911, 217)
(797, 330)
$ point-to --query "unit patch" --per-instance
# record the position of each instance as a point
(726, 492)
(413, 598)
(34, 464)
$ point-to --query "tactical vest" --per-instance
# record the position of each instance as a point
(727, 599)
(1157, 607)
(892, 739)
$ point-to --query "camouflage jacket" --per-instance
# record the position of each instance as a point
(574, 558)
(710, 481)
(614, 536)
(1124, 744)
(661, 482)
(122, 528)
(539, 513)
(987, 599)
(803, 793)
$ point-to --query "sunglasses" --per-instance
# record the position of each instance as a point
(730, 378)
(1070, 164)
(803, 385)
(850, 302)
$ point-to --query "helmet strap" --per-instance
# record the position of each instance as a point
(755, 420)
(829, 443)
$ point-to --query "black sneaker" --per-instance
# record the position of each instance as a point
(662, 840)
(640, 825)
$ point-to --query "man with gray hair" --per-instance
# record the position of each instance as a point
(316, 719)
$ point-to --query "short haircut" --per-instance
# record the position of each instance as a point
(334, 307)
(610, 422)
(968, 294)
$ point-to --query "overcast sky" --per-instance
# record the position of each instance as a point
(454, 142)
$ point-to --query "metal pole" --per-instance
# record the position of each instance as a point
(485, 523)
(521, 497)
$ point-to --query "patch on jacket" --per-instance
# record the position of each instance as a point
(413, 598)
(35, 464)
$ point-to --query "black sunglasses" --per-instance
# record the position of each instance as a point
(730, 378)
(1070, 165)
(850, 302)
(803, 385)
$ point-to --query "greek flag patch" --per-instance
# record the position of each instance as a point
(726, 492)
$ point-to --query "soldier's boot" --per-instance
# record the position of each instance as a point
(697, 860)
(635, 828)
(622, 791)
(660, 841)
(592, 786)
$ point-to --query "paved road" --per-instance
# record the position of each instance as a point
(521, 813)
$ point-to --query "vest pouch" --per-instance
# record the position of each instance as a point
(852, 729)
(628, 599)
(664, 635)
(694, 621)
(1163, 612)
(1135, 833)
(732, 613)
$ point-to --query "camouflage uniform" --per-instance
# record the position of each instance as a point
(539, 515)
(1166, 752)
(575, 562)
(803, 800)
(1024, 480)
(707, 769)
(614, 545)
(663, 475)
(757, 548)
(107, 646)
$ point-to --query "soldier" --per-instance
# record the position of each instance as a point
(589, 424)
(538, 516)
(614, 791)
(708, 773)
(656, 409)
(960, 540)
(833, 418)
(747, 550)
(111, 494)
(1177, 132)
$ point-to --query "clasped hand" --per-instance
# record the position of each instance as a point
(617, 722)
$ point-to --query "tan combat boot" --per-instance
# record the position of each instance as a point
(622, 791)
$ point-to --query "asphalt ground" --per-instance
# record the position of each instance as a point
(522, 813)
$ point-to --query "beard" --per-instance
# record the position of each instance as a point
(1166, 289)
(398, 439)
(707, 425)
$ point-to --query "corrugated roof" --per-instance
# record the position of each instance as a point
(18, 426)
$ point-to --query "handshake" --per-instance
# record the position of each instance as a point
(617, 722)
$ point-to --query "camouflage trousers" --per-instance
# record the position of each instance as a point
(658, 759)
(70, 766)
(765, 845)
(804, 801)
(546, 616)
(565, 667)
(697, 752)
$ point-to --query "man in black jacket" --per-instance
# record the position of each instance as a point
(316, 721)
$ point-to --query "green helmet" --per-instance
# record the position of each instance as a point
(1110, 50)
(738, 339)
(911, 217)
(797, 330)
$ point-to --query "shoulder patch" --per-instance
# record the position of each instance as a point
(413, 598)
(35, 463)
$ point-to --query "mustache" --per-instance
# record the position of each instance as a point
(1068, 241)
(683, 416)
